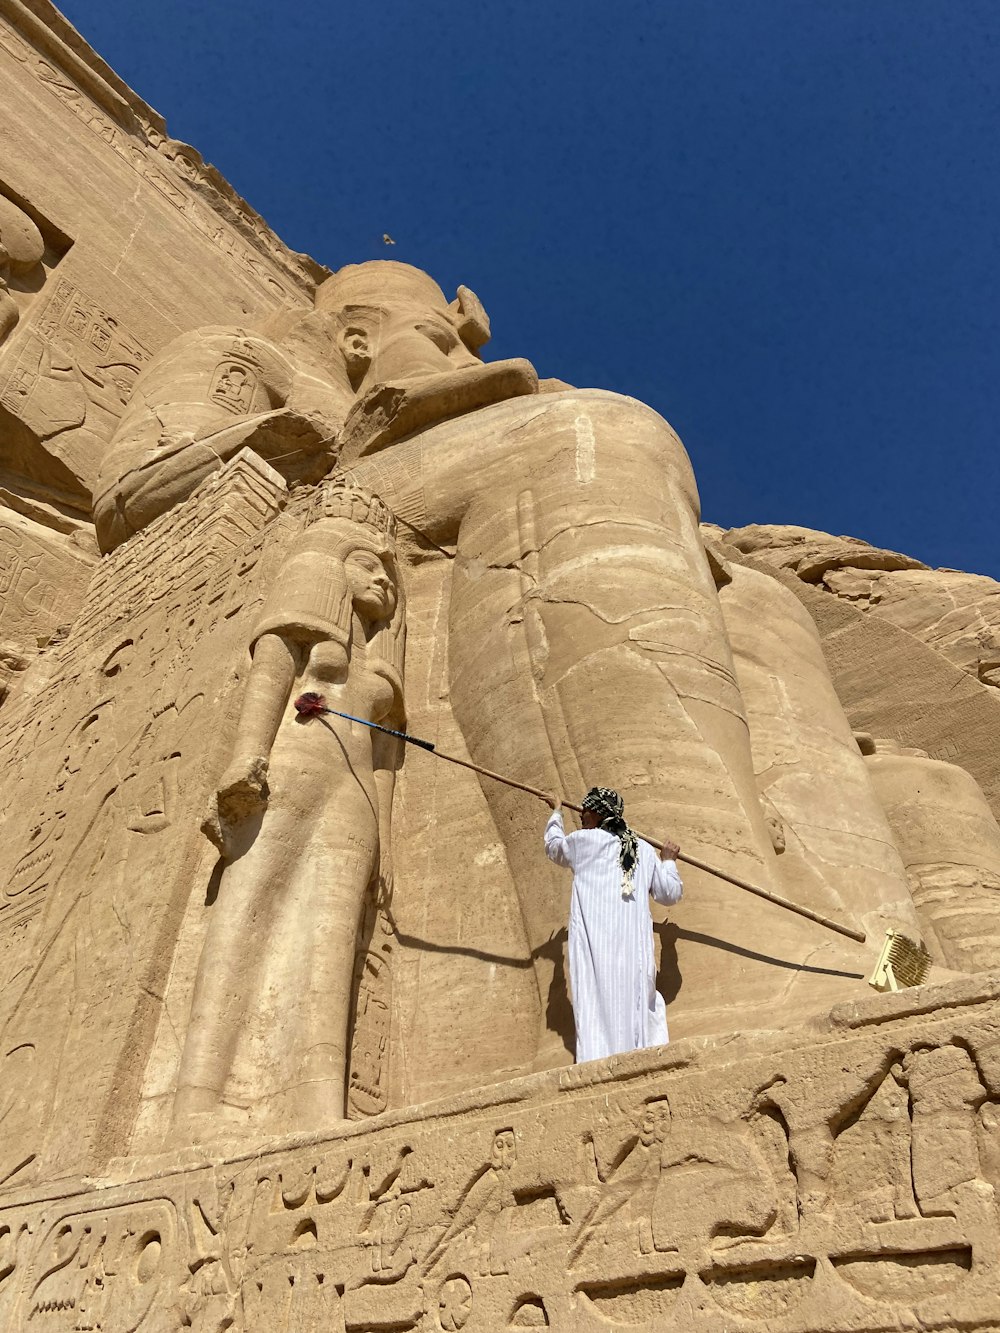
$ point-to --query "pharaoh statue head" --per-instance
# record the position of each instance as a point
(342, 566)
(410, 356)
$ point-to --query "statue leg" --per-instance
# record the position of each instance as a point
(227, 976)
(300, 1065)
(838, 854)
(269, 1029)
(586, 646)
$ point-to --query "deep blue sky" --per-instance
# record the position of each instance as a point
(774, 220)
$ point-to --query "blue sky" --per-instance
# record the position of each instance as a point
(773, 220)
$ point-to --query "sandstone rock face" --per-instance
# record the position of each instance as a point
(114, 239)
(286, 1034)
(956, 614)
(950, 842)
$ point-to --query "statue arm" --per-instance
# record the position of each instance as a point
(269, 687)
(181, 427)
(242, 790)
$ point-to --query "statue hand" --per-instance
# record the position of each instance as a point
(290, 437)
(243, 789)
(242, 794)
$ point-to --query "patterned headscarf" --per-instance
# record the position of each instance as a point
(609, 808)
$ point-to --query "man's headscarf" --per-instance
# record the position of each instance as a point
(609, 808)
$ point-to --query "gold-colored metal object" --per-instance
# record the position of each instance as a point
(901, 963)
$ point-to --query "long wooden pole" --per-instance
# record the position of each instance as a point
(808, 913)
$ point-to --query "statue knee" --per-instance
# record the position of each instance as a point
(626, 446)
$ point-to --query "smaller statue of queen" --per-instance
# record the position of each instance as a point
(302, 818)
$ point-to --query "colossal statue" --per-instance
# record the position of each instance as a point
(300, 1072)
(836, 853)
(302, 818)
(207, 395)
(586, 641)
(949, 840)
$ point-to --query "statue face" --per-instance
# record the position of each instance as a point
(410, 357)
(403, 342)
(504, 1153)
(373, 589)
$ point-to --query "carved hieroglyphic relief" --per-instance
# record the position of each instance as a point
(43, 578)
(825, 1184)
(74, 375)
(368, 1081)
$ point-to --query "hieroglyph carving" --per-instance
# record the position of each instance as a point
(826, 1182)
(78, 354)
(43, 578)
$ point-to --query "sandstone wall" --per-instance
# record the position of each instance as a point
(113, 239)
(794, 1166)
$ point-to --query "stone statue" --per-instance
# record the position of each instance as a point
(207, 395)
(21, 251)
(288, 470)
(586, 642)
(949, 840)
(836, 853)
(302, 817)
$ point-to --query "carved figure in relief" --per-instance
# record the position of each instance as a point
(946, 1093)
(481, 1206)
(870, 1171)
(301, 816)
(685, 1179)
(628, 1180)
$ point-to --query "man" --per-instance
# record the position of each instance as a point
(616, 1006)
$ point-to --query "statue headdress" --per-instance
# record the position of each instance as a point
(310, 600)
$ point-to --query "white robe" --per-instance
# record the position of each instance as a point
(616, 1005)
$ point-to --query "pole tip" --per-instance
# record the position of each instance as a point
(309, 703)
